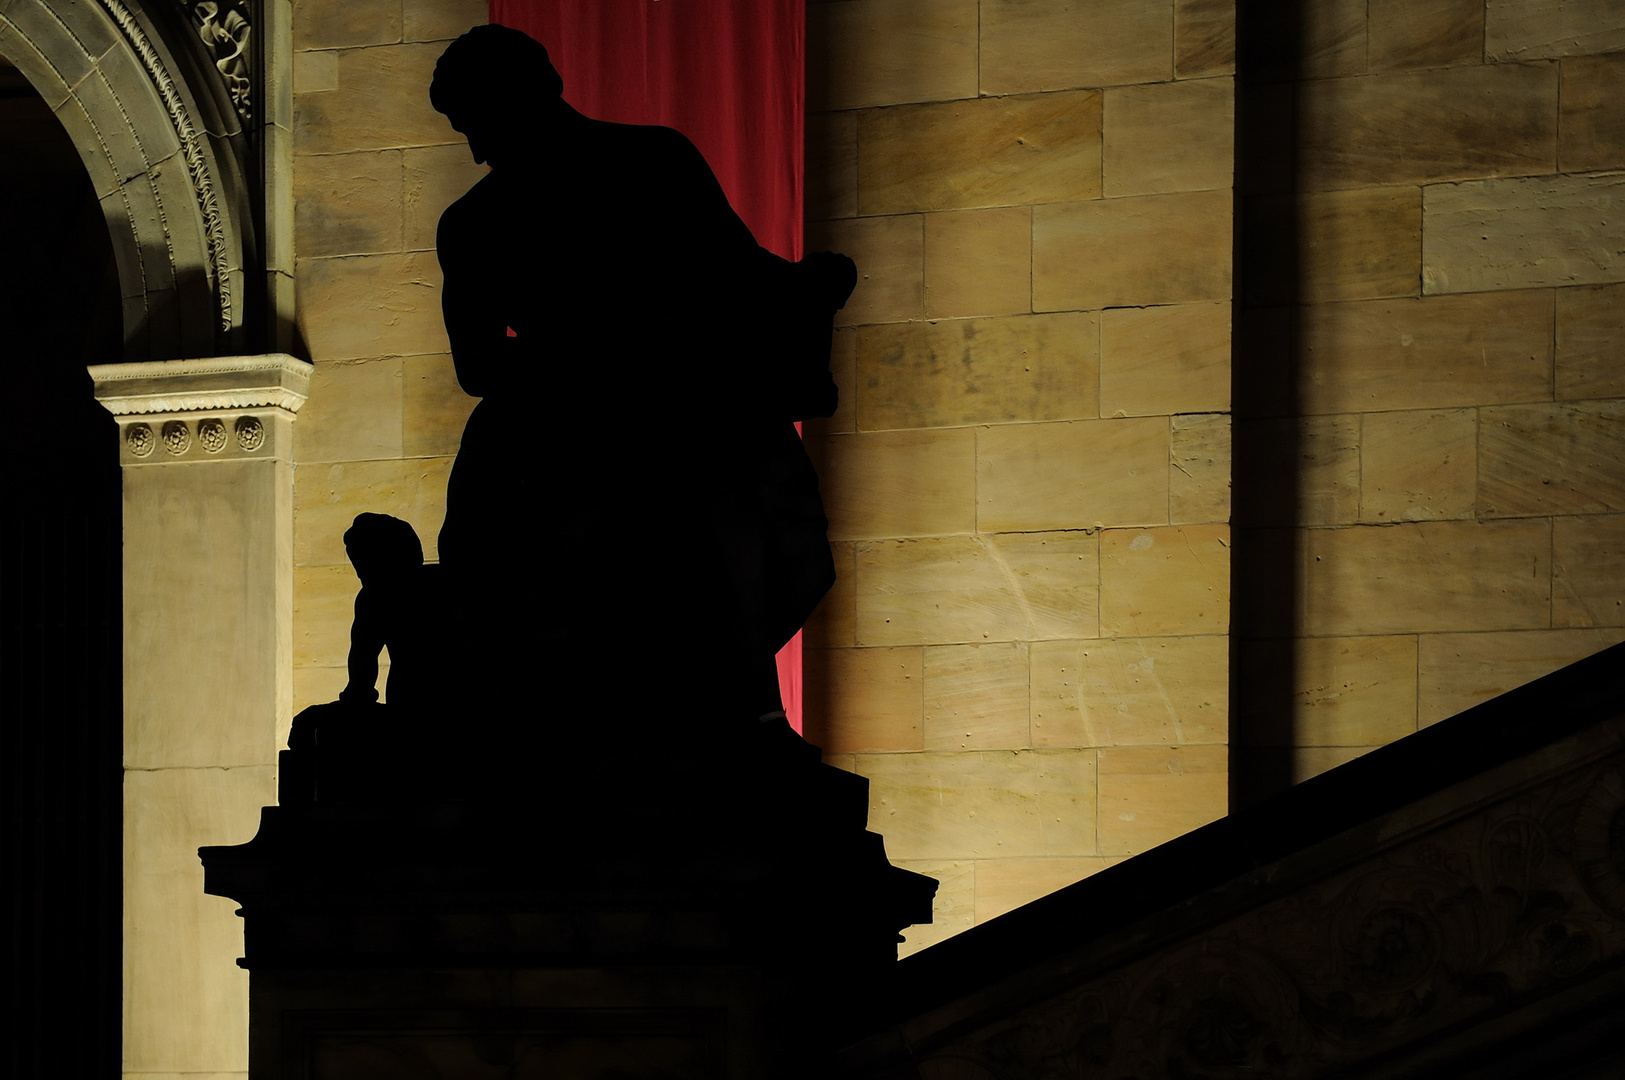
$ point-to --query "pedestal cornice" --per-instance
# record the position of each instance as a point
(216, 408)
(148, 388)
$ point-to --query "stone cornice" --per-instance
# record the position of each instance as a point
(220, 383)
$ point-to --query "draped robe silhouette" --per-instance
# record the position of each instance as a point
(631, 469)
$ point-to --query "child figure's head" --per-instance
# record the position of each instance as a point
(382, 547)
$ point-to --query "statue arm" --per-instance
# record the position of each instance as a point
(366, 642)
(481, 350)
(701, 206)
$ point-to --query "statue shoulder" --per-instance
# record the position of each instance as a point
(469, 217)
(476, 202)
(673, 143)
(641, 144)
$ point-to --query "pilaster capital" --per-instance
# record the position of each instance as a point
(153, 387)
(216, 408)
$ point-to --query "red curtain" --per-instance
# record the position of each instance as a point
(729, 74)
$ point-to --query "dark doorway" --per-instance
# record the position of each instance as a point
(60, 588)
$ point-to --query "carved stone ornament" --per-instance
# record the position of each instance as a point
(1517, 898)
(197, 167)
(177, 437)
(244, 402)
(224, 26)
(1599, 841)
(140, 440)
(221, 383)
(250, 433)
(211, 434)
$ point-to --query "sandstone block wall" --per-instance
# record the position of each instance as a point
(1430, 426)
(373, 167)
(1028, 480)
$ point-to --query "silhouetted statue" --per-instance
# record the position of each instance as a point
(354, 748)
(540, 807)
(631, 472)
(399, 607)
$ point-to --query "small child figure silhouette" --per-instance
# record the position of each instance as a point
(354, 748)
(394, 610)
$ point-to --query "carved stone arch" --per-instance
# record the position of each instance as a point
(172, 192)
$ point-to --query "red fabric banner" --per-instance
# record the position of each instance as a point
(730, 75)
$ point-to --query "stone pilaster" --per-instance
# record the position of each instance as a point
(206, 449)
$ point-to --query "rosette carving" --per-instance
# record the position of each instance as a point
(211, 434)
(138, 437)
(250, 433)
(177, 437)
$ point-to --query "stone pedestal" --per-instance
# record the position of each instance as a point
(208, 646)
(720, 915)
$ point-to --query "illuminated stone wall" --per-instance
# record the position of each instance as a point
(1429, 425)
(1040, 648)
(1028, 481)
(373, 167)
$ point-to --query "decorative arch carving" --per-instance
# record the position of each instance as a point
(170, 184)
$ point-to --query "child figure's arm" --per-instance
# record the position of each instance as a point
(366, 642)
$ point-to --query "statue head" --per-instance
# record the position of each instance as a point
(382, 548)
(492, 83)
